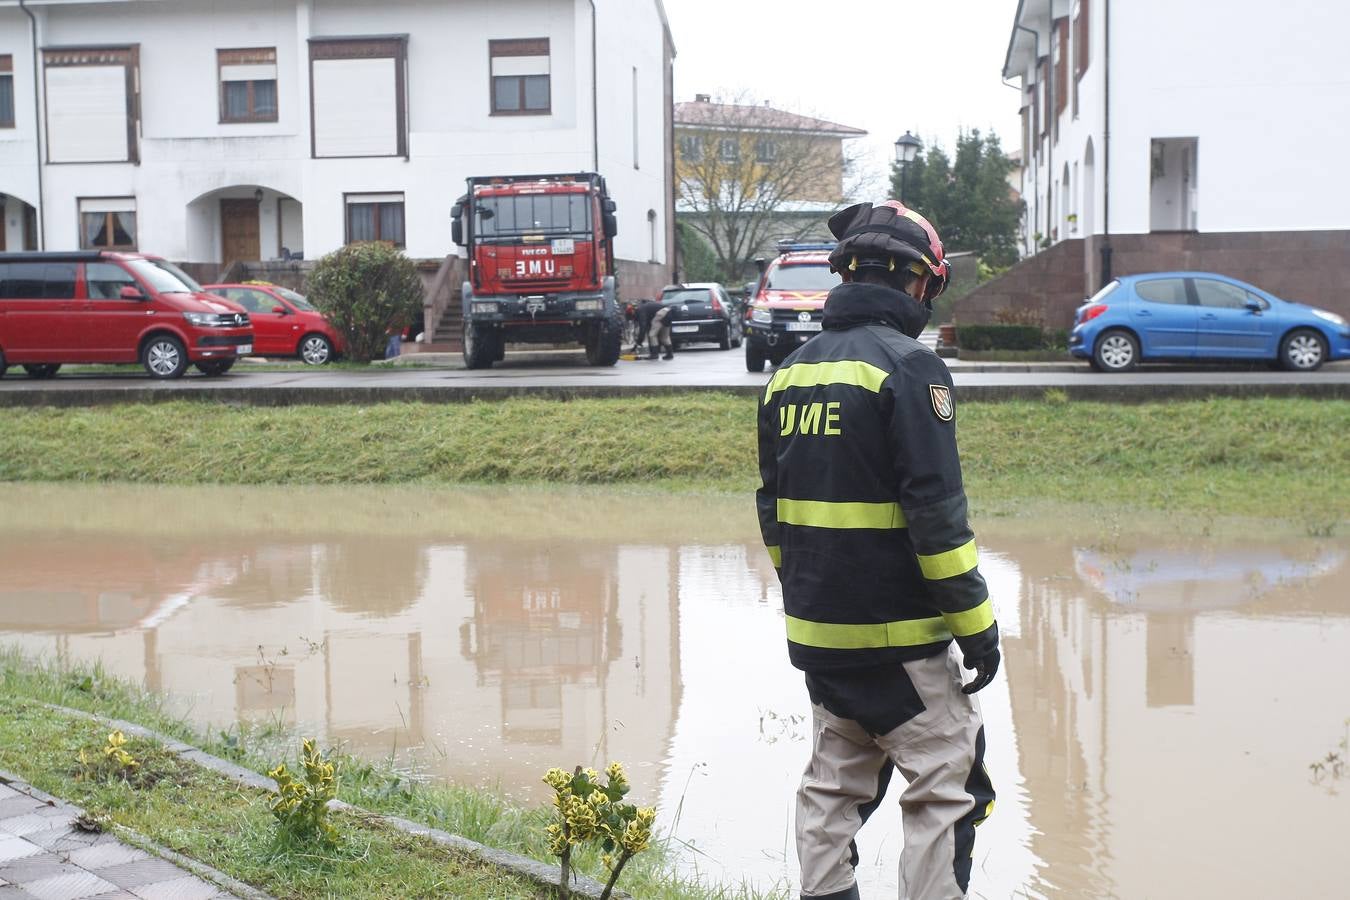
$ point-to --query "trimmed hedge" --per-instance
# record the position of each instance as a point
(1000, 337)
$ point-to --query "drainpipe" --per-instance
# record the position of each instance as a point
(37, 127)
(595, 102)
(1106, 148)
(1035, 138)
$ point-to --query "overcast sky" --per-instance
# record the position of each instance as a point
(886, 66)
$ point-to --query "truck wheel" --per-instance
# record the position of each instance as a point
(480, 347)
(754, 357)
(604, 345)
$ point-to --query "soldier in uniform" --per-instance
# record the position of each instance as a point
(864, 515)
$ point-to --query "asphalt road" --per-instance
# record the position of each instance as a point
(695, 368)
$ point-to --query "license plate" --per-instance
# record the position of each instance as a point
(683, 329)
(243, 348)
(563, 245)
(803, 326)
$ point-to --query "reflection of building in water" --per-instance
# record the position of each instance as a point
(503, 657)
(1167, 702)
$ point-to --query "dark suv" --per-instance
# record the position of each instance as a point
(703, 312)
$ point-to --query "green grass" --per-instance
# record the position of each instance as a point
(1257, 457)
(209, 818)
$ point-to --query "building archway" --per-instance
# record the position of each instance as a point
(18, 223)
(244, 223)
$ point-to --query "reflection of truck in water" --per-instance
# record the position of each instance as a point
(1177, 579)
(536, 628)
(541, 265)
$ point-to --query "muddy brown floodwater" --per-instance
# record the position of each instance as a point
(1151, 735)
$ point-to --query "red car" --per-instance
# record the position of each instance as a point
(284, 322)
(96, 306)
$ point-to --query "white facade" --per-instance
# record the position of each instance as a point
(1224, 117)
(335, 131)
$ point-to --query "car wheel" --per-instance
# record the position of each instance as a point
(754, 358)
(316, 350)
(214, 367)
(164, 357)
(41, 370)
(3, 365)
(1303, 350)
(724, 338)
(1117, 351)
(480, 348)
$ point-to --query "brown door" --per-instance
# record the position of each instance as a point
(239, 231)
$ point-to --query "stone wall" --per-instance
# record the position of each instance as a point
(640, 280)
(1046, 287)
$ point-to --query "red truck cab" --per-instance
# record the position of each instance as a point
(785, 308)
(541, 265)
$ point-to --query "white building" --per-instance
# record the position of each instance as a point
(210, 132)
(1170, 135)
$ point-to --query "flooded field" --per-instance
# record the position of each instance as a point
(1152, 734)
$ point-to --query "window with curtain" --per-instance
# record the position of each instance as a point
(6, 91)
(375, 217)
(108, 223)
(520, 77)
(248, 84)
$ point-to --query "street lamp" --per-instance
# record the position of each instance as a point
(907, 147)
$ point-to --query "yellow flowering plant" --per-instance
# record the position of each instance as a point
(585, 810)
(300, 805)
(113, 762)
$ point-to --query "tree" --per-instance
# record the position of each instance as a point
(968, 201)
(697, 262)
(744, 174)
(366, 289)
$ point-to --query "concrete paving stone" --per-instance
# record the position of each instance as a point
(115, 895)
(18, 826)
(19, 805)
(64, 838)
(7, 791)
(75, 886)
(14, 892)
(103, 856)
(133, 875)
(186, 888)
(12, 848)
(36, 868)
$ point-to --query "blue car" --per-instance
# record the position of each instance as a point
(1202, 316)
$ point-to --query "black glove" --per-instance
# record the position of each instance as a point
(985, 668)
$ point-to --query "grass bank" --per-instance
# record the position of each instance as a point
(209, 818)
(1262, 457)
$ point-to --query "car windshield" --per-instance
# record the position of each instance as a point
(164, 277)
(557, 214)
(801, 277)
(688, 295)
(296, 300)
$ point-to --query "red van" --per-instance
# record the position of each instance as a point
(284, 322)
(102, 307)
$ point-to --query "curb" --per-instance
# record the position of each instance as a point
(541, 873)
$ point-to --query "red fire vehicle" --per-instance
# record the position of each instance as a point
(541, 265)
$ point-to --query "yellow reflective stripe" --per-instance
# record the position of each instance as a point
(824, 514)
(835, 636)
(971, 621)
(847, 371)
(950, 563)
(775, 556)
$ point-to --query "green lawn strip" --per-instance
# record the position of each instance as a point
(206, 817)
(231, 829)
(1264, 457)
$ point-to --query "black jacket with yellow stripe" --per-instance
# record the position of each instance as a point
(861, 504)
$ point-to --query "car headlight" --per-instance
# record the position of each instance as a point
(588, 305)
(216, 320)
(761, 315)
(1331, 317)
(483, 309)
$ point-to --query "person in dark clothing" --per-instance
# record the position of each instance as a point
(653, 326)
(863, 513)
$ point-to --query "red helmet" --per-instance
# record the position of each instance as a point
(889, 235)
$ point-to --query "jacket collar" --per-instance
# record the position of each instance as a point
(853, 304)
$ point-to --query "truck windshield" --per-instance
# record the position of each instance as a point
(802, 278)
(568, 214)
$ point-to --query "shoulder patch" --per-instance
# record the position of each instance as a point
(942, 401)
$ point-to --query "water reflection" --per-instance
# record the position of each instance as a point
(1152, 679)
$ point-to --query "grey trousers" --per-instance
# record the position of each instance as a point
(659, 333)
(940, 752)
